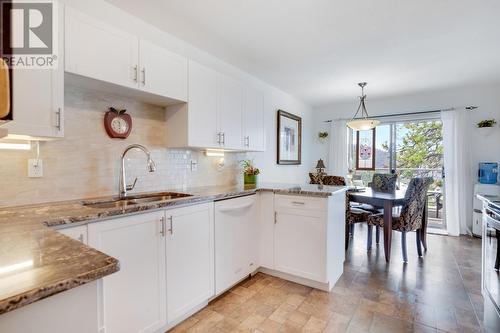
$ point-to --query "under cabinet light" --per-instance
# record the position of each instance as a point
(15, 145)
(214, 153)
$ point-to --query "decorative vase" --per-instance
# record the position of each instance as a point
(250, 179)
(486, 131)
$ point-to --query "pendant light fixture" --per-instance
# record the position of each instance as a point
(363, 123)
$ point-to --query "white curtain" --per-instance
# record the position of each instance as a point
(457, 166)
(337, 155)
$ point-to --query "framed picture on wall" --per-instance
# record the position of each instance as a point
(289, 138)
(365, 150)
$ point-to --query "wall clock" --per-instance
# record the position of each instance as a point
(118, 124)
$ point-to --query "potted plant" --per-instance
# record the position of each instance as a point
(249, 172)
(323, 136)
(486, 126)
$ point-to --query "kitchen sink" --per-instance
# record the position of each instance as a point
(135, 200)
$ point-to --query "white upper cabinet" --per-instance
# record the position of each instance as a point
(134, 298)
(254, 134)
(162, 72)
(229, 112)
(202, 107)
(221, 113)
(190, 259)
(98, 50)
(38, 98)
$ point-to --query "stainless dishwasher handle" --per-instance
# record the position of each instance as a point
(233, 208)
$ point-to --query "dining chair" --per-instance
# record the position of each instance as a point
(315, 178)
(411, 216)
(333, 181)
(381, 182)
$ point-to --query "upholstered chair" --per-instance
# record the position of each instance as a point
(315, 178)
(381, 182)
(334, 181)
(411, 215)
(384, 182)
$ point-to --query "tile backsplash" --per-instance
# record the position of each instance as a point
(86, 162)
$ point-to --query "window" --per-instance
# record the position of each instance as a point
(409, 148)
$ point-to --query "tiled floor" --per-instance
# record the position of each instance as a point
(439, 292)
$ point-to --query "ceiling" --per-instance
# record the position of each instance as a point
(318, 50)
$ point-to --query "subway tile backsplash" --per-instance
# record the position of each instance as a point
(86, 162)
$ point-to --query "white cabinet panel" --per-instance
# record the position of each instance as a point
(266, 230)
(38, 98)
(190, 258)
(162, 72)
(133, 299)
(300, 243)
(235, 241)
(97, 50)
(79, 233)
(229, 111)
(254, 135)
(202, 105)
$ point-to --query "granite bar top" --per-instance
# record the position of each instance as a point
(36, 261)
(492, 200)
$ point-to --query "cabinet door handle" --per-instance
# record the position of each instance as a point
(248, 141)
(59, 119)
(275, 217)
(136, 73)
(162, 227)
(219, 138)
(223, 138)
(171, 230)
(143, 76)
(298, 203)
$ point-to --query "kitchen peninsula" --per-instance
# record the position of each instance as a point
(209, 238)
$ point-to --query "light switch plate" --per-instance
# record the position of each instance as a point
(35, 168)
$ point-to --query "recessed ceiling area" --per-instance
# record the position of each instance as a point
(318, 50)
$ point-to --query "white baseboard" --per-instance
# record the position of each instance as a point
(306, 282)
(435, 231)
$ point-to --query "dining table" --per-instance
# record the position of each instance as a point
(387, 201)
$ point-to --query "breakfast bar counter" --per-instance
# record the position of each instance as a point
(36, 261)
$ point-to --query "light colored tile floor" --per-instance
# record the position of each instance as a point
(436, 293)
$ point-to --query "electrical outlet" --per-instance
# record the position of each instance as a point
(194, 165)
(35, 168)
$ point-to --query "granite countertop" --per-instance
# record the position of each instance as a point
(493, 200)
(36, 261)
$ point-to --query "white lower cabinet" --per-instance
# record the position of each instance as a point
(79, 233)
(190, 259)
(236, 239)
(266, 230)
(299, 243)
(133, 299)
(308, 238)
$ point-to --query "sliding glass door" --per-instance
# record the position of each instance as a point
(410, 148)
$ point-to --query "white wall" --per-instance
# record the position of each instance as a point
(485, 96)
(274, 98)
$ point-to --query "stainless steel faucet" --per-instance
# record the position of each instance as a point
(124, 188)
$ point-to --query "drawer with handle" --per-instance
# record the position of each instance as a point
(300, 202)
